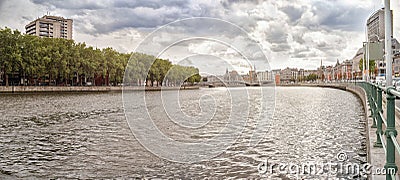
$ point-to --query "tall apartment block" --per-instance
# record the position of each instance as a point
(376, 25)
(50, 26)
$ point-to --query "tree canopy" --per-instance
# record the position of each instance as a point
(32, 60)
(371, 65)
(311, 77)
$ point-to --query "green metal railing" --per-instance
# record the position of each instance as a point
(374, 97)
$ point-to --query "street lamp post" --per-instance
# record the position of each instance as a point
(388, 43)
(390, 98)
(365, 59)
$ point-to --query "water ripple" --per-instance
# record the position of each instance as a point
(86, 136)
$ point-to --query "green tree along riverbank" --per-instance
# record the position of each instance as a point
(34, 61)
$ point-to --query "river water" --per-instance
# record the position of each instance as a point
(86, 135)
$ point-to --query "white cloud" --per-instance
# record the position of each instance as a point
(295, 33)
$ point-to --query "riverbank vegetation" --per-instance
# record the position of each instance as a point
(31, 60)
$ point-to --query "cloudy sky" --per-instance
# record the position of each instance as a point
(294, 33)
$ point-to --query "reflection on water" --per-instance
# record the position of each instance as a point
(86, 135)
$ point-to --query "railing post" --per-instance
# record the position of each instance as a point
(379, 131)
(390, 130)
(372, 95)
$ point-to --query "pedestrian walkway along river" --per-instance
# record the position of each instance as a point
(85, 135)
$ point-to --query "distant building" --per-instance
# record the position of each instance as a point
(395, 47)
(376, 33)
(321, 72)
(275, 73)
(328, 73)
(356, 71)
(289, 75)
(346, 70)
(215, 79)
(264, 76)
(232, 77)
(336, 71)
(376, 25)
(381, 63)
(277, 79)
(300, 75)
(396, 65)
(51, 27)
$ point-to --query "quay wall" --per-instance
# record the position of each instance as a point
(34, 89)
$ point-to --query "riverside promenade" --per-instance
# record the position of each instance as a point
(35, 89)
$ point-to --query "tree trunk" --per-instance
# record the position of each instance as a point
(49, 79)
(107, 79)
(6, 75)
(23, 80)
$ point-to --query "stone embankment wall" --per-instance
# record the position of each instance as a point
(31, 89)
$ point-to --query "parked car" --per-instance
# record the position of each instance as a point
(396, 85)
(380, 80)
(382, 83)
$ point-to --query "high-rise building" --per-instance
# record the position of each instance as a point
(376, 26)
(376, 34)
(50, 26)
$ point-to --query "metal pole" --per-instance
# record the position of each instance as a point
(390, 131)
(388, 43)
(363, 65)
(367, 61)
(390, 106)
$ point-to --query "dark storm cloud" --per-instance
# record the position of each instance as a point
(155, 4)
(115, 19)
(2, 4)
(302, 49)
(120, 14)
(280, 47)
(228, 3)
(336, 16)
(276, 34)
(293, 13)
(283, 27)
(298, 38)
(71, 4)
(27, 18)
(300, 55)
